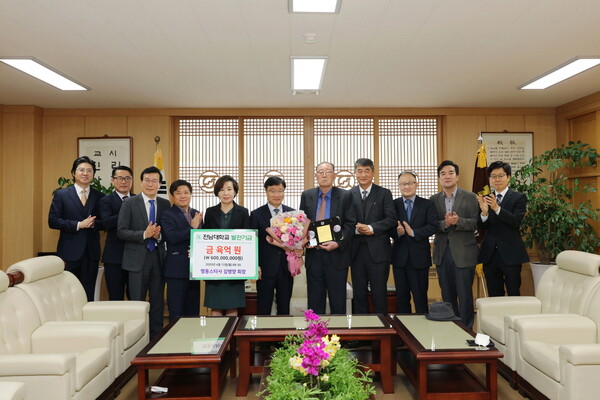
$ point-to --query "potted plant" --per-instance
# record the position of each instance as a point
(553, 222)
(313, 365)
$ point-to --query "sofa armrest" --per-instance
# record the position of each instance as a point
(73, 337)
(509, 305)
(557, 329)
(115, 310)
(36, 364)
(12, 390)
(580, 354)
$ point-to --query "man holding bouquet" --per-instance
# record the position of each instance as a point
(275, 278)
(327, 263)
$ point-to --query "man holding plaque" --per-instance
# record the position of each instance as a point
(328, 252)
(371, 249)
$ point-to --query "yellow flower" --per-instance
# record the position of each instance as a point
(283, 228)
(325, 378)
(287, 220)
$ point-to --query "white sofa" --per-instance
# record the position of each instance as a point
(58, 296)
(559, 355)
(12, 391)
(51, 361)
(565, 288)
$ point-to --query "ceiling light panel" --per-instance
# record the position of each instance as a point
(43, 73)
(314, 6)
(560, 73)
(307, 73)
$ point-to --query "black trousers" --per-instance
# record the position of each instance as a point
(367, 273)
(183, 297)
(457, 287)
(498, 274)
(323, 279)
(411, 280)
(86, 271)
(279, 286)
(116, 281)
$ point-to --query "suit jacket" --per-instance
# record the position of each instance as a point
(66, 211)
(381, 215)
(240, 219)
(341, 206)
(460, 237)
(109, 212)
(269, 256)
(132, 222)
(176, 234)
(423, 222)
(502, 230)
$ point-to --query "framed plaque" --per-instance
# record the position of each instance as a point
(325, 230)
(515, 148)
(107, 152)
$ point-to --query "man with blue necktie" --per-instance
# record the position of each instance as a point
(144, 252)
(411, 253)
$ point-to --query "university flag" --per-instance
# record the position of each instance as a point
(481, 183)
(159, 163)
(481, 186)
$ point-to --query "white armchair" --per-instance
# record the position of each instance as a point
(58, 296)
(564, 288)
(53, 362)
(12, 390)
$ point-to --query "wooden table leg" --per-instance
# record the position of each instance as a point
(142, 383)
(492, 378)
(421, 380)
(244, 367)
(385, 362)
(233, 351)
(215, 381)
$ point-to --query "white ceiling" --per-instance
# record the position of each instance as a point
(236, 53)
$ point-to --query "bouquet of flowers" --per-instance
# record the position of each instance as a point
(313, 366)
(288, 231)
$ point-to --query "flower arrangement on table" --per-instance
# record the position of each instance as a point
(288, 231)
(313, 365)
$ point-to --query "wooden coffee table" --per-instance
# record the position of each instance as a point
(435, 356)
(353, 327)
(195, 355)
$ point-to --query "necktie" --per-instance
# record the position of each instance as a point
(152, 218)
(364, 193)
(408, 204)
(276, 211)
(322, 208)
(498, 198)
(124, 197)
(83, 197)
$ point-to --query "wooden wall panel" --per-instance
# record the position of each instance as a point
(21, 169)
(109, 125)
(143, 130)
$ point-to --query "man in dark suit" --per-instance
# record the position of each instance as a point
(411, 253)
(114, 275)
(144, 249)
(275, 278)
(327, 264)
(454, 247)
(73, 211)
(183, 294)
(502, 251)
(375, 216)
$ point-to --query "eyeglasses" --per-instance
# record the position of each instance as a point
(499, 176)
(405, 184)
(123, 178)
(84, 170)
(325, 172)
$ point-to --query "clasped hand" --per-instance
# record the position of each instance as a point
(451, 218)
(487, 202)
(404, 227)
(152, 231)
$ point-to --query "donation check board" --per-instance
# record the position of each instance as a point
(223, 254)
